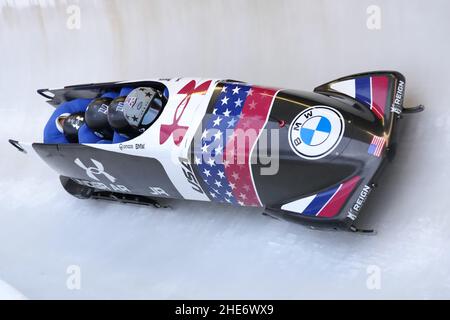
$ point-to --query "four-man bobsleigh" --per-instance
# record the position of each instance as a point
(309, 157)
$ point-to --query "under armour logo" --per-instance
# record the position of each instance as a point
(174, 129)
(93, 171)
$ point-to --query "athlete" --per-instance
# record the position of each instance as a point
(97, 128)
(116, 118)
(142, 107)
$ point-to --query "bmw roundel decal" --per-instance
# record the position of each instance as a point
(316, 132)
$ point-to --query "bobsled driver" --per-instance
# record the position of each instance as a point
(141, 108)
(111, 118)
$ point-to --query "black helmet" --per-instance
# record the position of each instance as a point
(96, 117)
(117, 120)
(70, 126)
(142, 106)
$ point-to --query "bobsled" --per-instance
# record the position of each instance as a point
(307, 157)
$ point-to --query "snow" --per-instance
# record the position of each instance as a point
(9, 293)
(201, 250)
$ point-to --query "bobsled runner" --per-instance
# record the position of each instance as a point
(308, 157)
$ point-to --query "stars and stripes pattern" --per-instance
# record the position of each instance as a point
(372, 91)
(325, 204)
(376, 146)
(230, 132)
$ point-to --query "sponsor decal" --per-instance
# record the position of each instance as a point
(137, 146)
(174, 129)
(376, 146)
(316, 132)
(123, 146)
(357, 206)
(157, 191)
(103, 186)
(97, 170)
(76, 121)
(398, 99)
(190, 176)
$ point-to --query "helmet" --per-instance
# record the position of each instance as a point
(117, 120)
(142, 106)
(96, 117)
(69, 124)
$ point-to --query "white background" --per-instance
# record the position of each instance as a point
(201, 250)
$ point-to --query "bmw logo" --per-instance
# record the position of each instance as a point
(316, 132)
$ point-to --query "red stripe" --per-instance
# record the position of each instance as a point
(380, 146)
(237, 152)
(335, 204)
(380, 86)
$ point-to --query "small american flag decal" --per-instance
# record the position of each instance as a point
(376, 146)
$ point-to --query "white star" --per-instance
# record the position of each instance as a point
(204, 134)
(197, 160)
(226, 113)
(224, 89)
(207, 172)
(232, 122)
(235, 175)
(232, 186)
(217, 121)
(218, 150)
(220, 174)
(212, 194)
(252, 105)
(238, 102)
(205, 148)
(249, 92)
(229, 194)
(211, 162)
(236, 90)
(224, 100)
(246, 188)
(243, 196)
(241, 203)
(218, 183)
(218, 135)
(226, 163)
(227, 200)
(215, 111)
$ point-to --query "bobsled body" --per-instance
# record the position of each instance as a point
(310, 157)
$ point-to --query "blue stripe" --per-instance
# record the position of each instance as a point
(319, 201)
(363, 90)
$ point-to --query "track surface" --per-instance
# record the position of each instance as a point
(201, 250)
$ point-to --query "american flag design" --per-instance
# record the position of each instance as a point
(372, 91)
(230, 132)
(376, 146)
(325, 204)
